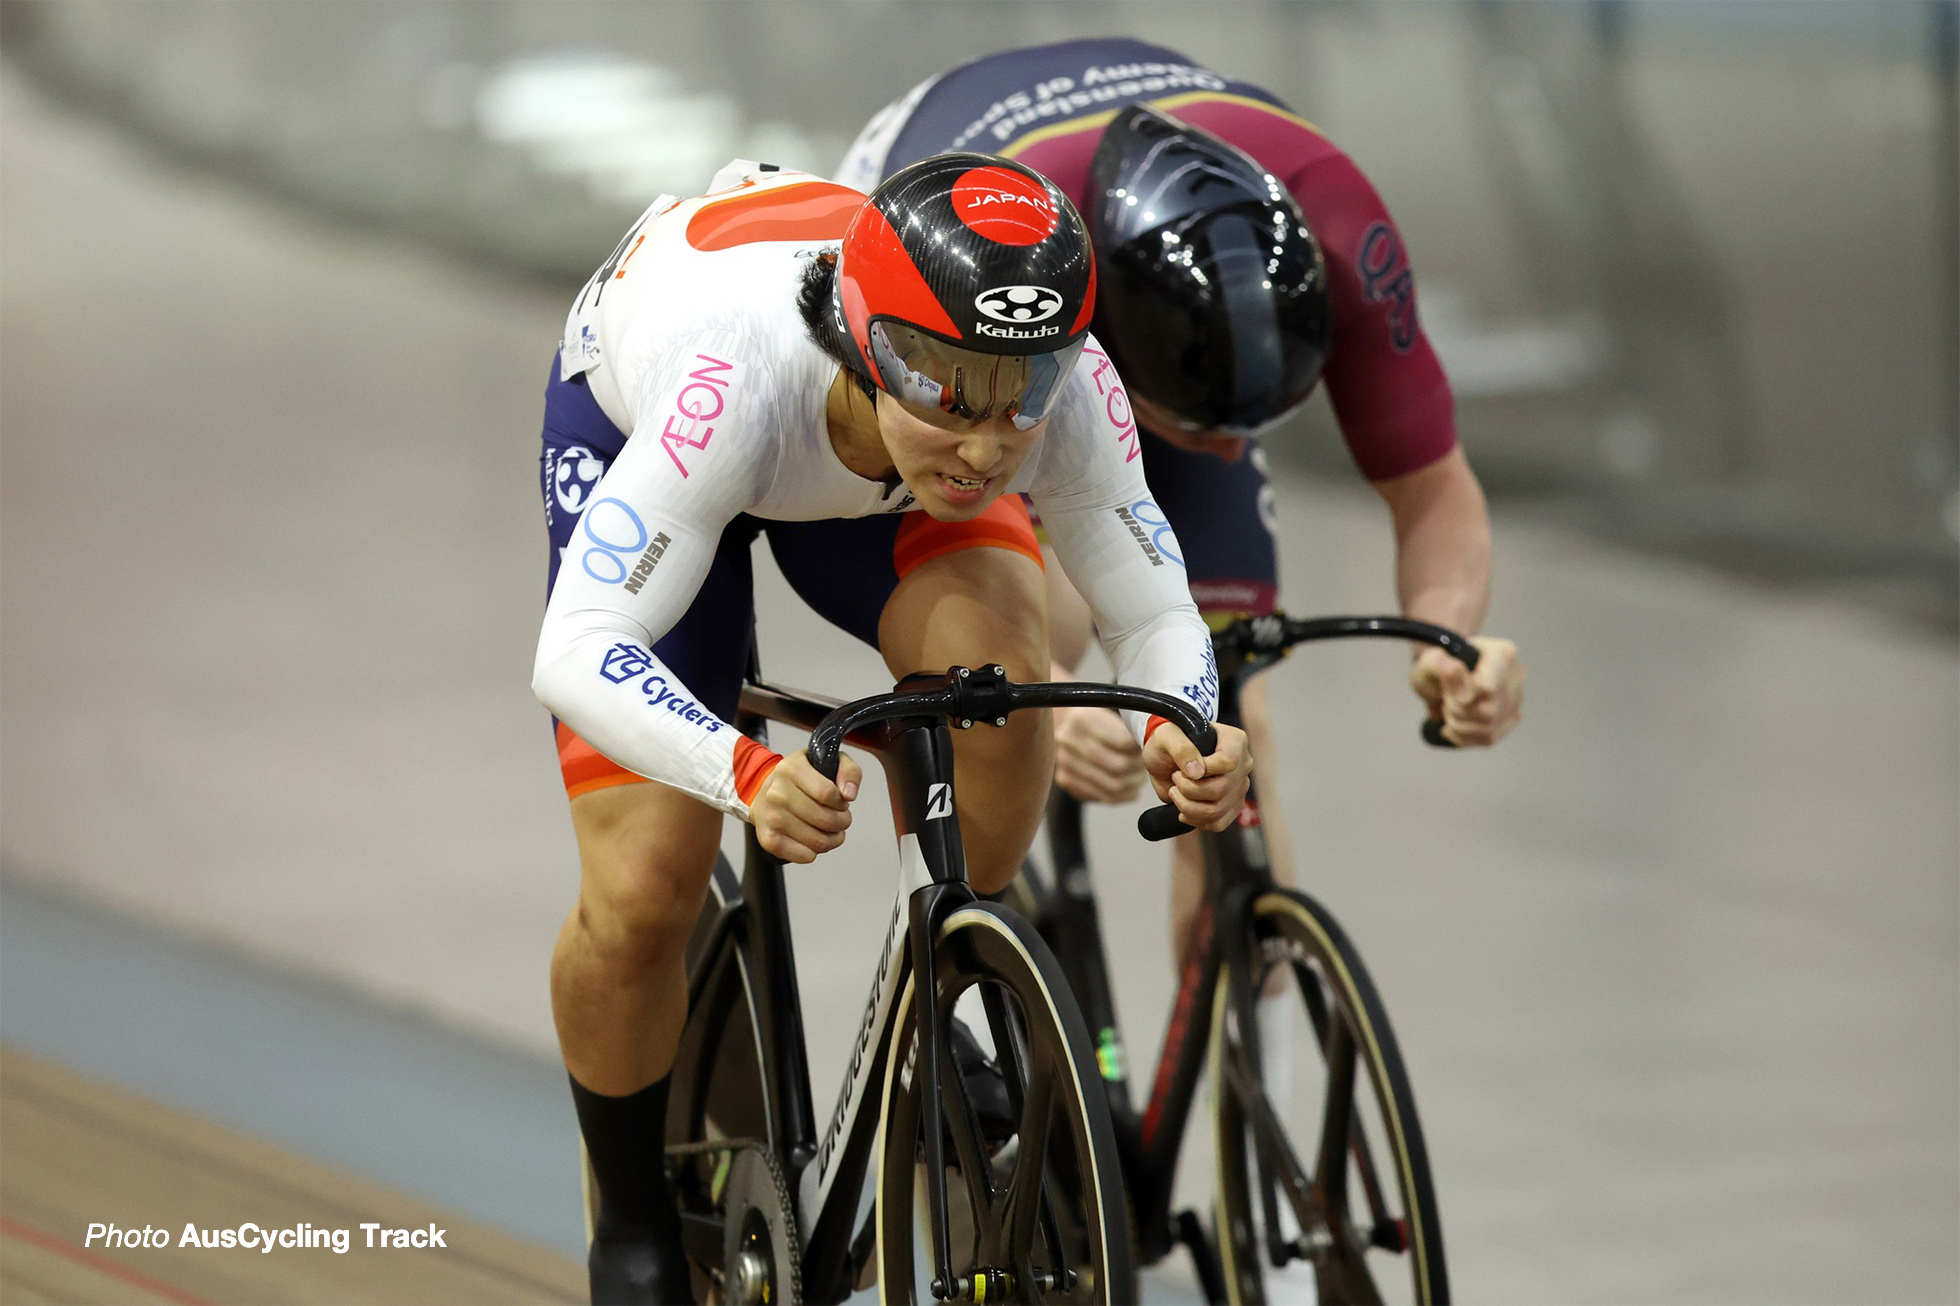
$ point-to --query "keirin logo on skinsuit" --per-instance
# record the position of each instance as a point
(1019, 303)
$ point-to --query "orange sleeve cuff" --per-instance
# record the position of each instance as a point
(1150, 726)
(753, 763)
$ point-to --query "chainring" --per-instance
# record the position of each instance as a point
(762, 1254)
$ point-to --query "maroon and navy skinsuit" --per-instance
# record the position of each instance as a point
(1047, 106)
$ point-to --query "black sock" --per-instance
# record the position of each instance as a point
(626, 1139)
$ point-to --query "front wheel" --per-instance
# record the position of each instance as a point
(1035, 1191)
(1324, 1191)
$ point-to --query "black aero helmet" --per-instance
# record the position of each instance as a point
(1214, 292)
(965, 285)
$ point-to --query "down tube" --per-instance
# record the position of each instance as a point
(831, 1185)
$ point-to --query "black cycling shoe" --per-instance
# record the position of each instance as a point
(986, 1087)
(639, 1272)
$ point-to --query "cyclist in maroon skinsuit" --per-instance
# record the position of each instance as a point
(1054, 108)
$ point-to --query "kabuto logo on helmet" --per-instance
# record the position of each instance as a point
(1010, 207)
(1019, 303)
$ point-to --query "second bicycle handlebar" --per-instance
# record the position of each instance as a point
(969, 696)
(1263, 639)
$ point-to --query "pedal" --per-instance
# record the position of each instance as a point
(987, 1285)
(1390, 1235)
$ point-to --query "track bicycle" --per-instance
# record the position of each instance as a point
(1027, 1208)
(1333, 1173)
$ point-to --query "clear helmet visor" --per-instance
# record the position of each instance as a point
(941, 380)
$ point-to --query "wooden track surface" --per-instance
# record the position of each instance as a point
(73, 1152)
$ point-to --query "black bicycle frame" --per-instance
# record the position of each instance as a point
(826, 1170)
(908, 732)
(1237, 869)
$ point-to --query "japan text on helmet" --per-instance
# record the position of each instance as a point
(965, 286)
(1214, 294)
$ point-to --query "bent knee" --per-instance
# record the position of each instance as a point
(970, 608)
(644, 863)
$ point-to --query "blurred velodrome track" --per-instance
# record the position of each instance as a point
(1677, 969)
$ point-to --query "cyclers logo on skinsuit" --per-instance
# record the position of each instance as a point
(624, 662)
(1204, 694)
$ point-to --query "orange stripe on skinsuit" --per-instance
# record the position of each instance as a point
(585, 768)
(814, 210)
(753, 765)
(1005, 525)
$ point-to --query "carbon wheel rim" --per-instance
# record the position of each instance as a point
(1364, 1211)
(993, 1183)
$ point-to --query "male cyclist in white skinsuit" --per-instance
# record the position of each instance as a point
(872, 384)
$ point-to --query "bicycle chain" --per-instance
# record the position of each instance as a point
(785, 1212)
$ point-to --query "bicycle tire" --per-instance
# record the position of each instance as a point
(1341, 1004)
(1025, 1231)
(715, 1093)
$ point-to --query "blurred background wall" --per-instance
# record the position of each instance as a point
(1676, 964)
(1691, 266)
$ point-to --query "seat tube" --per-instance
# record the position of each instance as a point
(778, 1002)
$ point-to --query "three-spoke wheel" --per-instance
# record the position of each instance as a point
(1323, 1180)
(1013, 1235)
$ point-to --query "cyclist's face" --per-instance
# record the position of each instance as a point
(954, 468)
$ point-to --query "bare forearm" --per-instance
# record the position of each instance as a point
(1442, 543)
(1070, 625)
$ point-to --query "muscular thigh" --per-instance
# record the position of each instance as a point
(900, 582)
(645, 854)
(969, 608)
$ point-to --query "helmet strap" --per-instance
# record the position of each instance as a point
(840, 333)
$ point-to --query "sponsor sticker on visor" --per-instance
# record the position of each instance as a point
(933, 377)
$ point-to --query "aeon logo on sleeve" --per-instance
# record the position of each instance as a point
(697, 403)
(1019, 303)
(1116, 401)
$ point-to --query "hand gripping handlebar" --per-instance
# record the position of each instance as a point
(967, 696)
